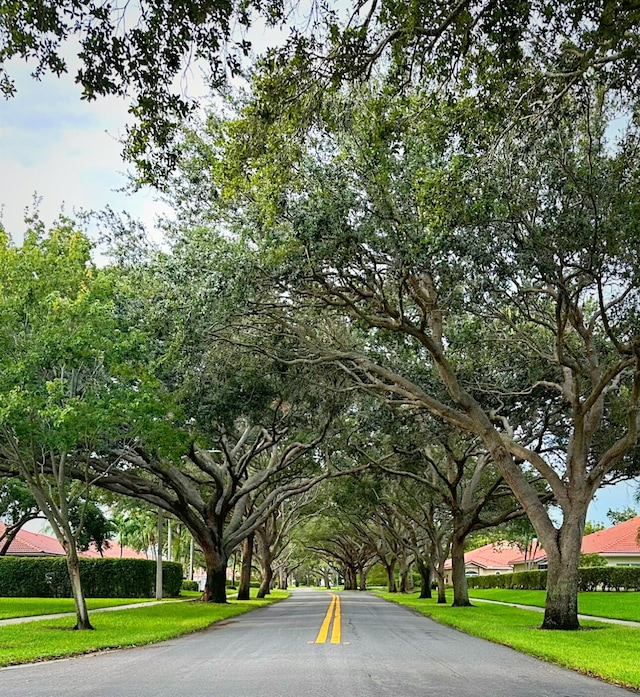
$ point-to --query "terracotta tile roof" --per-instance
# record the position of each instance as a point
(534, 555)
(495, 555)
(619, 539)
(33, 544)
(113, 551)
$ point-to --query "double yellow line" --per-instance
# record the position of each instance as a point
(333, 613)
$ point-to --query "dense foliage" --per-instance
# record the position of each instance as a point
(47, 577)
(604, 578)
(434, 205)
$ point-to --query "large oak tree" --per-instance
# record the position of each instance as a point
(504, 260)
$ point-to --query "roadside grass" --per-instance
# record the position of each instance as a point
(27, 607)
(620, 606)
(190, 594)
(47, 639)
(602, 650)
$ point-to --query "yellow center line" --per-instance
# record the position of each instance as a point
(332, 613)
(336, 631)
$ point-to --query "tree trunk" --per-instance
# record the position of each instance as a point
(561, 605)
(326, 572)
(267, 577)
(265, 554)
(215, 587)
(244, 587)
(82, 615)
(406, 583)
(425, 579)
(391, 576)
(561, 546)
(363, 579)
(350, 579)
(458, 575)
(439, 576)
(282, 579)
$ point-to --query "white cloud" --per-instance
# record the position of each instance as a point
(66, 151)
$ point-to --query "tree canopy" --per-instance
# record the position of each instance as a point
(500, 255)
(431, 204)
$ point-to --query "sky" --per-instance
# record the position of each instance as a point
(67, 153)
(64, 151)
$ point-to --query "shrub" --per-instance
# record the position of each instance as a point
(47, 577)
(611, 578)
(190, 585)
(521, 580)
(604, 578)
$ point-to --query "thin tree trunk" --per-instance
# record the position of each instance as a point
(363, 579)
(282, 580)
(327, 577)
(244, 588)
(439, 576)
(82, 615)
(235, 564)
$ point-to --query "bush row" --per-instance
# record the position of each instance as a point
(47, 577)
(520, 580)
(604, 578)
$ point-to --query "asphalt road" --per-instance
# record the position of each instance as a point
(309, 646)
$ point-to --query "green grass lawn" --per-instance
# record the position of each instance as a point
(44, 639)
(621, 606)
(27, 607)
(603, 650)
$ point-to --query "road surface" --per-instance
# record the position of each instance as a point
(315, 644)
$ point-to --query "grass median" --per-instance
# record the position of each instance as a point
(602, 650)
(46, 639)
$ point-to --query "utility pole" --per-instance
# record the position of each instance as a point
(159, 556)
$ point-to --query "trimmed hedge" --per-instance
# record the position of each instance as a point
(609, 578)
(521, 580)
(603, 578)
(47, 577)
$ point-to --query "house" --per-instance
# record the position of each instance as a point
(485, 561)
(31, 544)
(617, 545)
